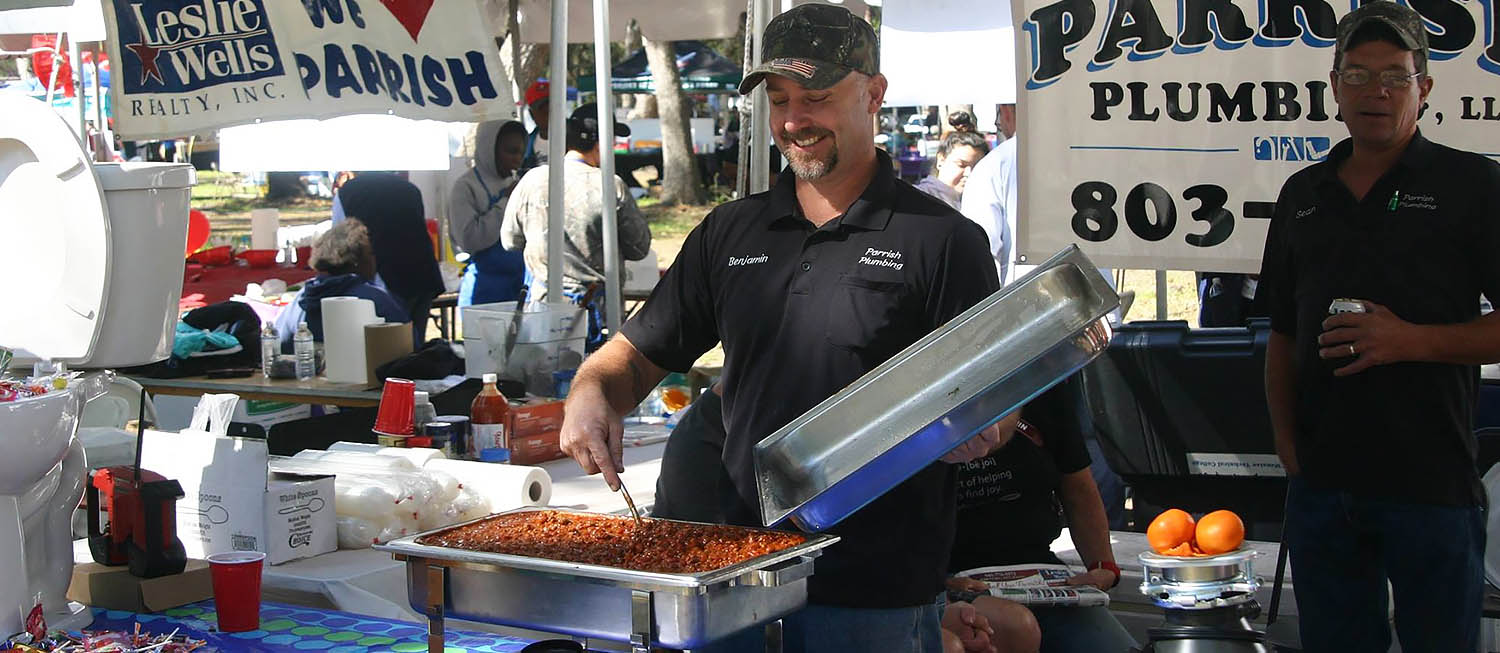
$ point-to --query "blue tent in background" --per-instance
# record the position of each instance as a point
(702, 71)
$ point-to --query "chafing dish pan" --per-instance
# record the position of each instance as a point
(903, 415)
(669, 610)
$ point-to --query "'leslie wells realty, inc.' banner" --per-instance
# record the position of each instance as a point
(1157, 133)
(184, 66)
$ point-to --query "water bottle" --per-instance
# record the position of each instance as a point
(270, 347)
(307, 354)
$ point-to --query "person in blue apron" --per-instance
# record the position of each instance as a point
(476, 209)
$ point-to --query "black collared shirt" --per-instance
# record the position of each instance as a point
(802, 312)
(1424, 242)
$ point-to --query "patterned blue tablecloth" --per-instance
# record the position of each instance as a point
(290, 628)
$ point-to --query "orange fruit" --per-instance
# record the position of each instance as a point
(1220, 531)
(1170, 530)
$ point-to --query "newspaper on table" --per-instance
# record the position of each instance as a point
(1037, 585)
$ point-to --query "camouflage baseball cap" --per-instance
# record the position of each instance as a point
(1402, 20)
(816, 46)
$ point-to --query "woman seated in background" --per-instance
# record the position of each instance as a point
(405, 265)
(476, 208)
(1012, 504)
(956, 156)
(345, 262)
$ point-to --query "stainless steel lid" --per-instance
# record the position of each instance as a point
(903, 415)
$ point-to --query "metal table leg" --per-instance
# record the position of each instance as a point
(643, 626)
(434, 608)
(773, 637)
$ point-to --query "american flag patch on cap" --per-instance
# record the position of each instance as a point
(799, 66)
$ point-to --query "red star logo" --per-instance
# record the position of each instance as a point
(147, 55)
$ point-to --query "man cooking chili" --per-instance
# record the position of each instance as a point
(809, 286)
(1372, 412)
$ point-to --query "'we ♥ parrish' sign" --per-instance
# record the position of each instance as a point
(186, 66)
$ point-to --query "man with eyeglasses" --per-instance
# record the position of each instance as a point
(1373, 411)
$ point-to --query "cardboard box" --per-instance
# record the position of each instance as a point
(234, 504)
(534, 431)
(113, 588)
(383, 344)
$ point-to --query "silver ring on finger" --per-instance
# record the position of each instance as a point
(1352, 352)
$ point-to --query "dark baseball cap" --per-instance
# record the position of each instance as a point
(1405, 22)
(816, 46)
(585, 120)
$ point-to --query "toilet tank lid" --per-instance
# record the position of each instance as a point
(141, 176)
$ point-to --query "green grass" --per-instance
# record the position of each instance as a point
(227, 199)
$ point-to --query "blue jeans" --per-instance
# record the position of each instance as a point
(825, 628)
(1082, 630)
(1343, 549)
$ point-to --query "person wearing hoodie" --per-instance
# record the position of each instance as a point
(345, 262)
(477, 208)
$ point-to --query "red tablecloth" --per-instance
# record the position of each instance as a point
(210, 284)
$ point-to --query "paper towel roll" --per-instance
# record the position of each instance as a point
(344, 320)
(507, 486)
(263, 226)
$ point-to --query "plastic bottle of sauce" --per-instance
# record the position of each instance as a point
(489, 423)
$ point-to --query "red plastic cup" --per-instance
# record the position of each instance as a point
(236, 578)
(304, 257)
(396, 403)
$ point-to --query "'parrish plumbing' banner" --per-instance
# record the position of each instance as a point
(185, 66)
(1157, 133)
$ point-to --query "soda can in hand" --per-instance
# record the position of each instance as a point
(1346, 305)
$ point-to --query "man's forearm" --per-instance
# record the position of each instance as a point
(1281, 390)
(1087, 524)
(620, 373)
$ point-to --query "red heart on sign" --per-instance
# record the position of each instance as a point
(410, 13)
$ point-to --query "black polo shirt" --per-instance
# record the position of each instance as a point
(1424, 242)
(802, 312)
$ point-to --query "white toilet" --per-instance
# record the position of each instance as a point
(100, 246)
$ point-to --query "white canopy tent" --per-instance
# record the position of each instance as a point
(918, 38)
(661, 20)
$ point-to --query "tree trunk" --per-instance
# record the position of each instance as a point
(628, 101)
(643, 107)
(534, 60)
(680, 182)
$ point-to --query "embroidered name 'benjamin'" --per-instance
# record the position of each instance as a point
(748, 260)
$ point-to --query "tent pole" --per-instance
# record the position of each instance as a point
(52, 76)
(76, 81)
(513, 27)
(106, 136)
(760, 154)
(557, 103)
(742, 162)
(608, 193)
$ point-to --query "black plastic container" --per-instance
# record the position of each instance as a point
(1181, 416)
